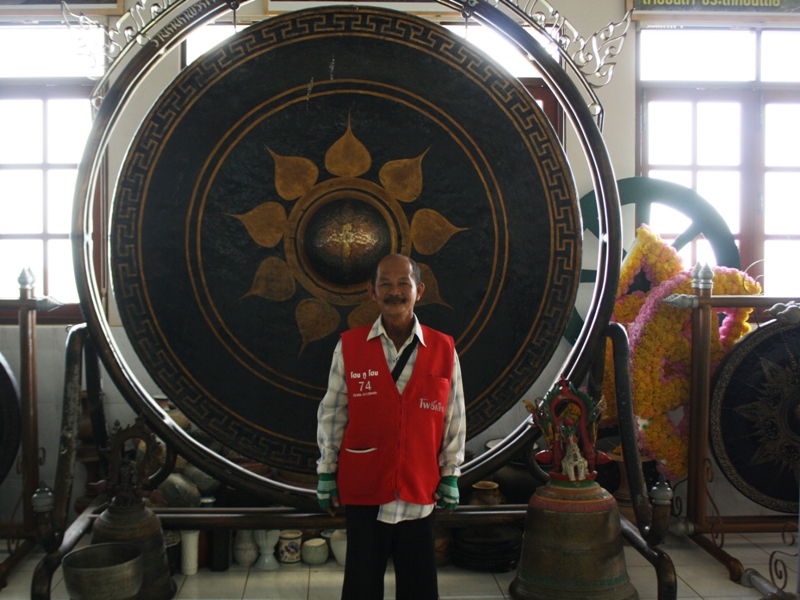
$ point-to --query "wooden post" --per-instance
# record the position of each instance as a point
(28, 398)
(702, 284)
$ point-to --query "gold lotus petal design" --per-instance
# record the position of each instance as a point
(296, 179)
(431, 295)
(315, 319)
(430, 231)
(348, 157)
(294, 175)
(264, 223)
(364, 314)
(274, 280)
(403, 178)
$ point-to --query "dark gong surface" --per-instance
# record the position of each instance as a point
(273, 174)
(10, 420)
(755, 416)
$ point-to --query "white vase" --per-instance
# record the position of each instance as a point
(267, 539)
(189, 542)
(245, 550)
(339, 545)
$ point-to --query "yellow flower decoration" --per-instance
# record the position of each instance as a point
(648, 263)
(660, 338)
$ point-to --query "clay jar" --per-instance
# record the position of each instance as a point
(290, 546)
(516, 483)
(315, 551)
(485, 493)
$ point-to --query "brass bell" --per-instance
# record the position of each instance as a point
(139, 525)
(572, 545)
(127, 519)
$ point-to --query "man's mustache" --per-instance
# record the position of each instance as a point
(394, 300)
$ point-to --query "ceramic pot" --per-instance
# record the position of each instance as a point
(112, 571)
(205, 484)
(339, 545)
(517, 485)
(485, 493)
(326, 535)
(179, 491)
(315, 551)
(245, 550)
(290, 549)
(267, 539)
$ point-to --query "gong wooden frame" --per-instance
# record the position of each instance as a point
(700, 473)
(168, 30)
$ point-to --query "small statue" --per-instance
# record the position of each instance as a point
(568, 421)
(574, 465)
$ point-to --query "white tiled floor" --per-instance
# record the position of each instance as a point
(699, 576)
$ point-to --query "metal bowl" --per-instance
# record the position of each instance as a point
(111, 571)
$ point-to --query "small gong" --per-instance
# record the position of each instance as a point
(755, 416)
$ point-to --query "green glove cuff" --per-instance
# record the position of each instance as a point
(326, 489)
(448, 492)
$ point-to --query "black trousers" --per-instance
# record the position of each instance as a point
(370, 543)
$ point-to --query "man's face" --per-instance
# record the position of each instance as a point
(395, 290)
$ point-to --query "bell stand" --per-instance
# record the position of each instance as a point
(698, 522)
(26, 305)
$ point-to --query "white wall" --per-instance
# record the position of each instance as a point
(618, 99)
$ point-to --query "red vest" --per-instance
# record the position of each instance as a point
(391, 445)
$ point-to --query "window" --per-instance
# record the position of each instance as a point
(45, 117)
(720, 113)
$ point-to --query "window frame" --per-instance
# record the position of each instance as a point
(753, 96)
(46, 89)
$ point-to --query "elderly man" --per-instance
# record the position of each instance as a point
(391, 436)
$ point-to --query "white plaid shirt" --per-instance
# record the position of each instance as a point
(332, 419)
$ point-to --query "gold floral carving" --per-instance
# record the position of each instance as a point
(364, 314)
(431, 295)
(430, 231)
(265, 223)
(316, 319)
(297, 180)
(348, 157)
(403, 178)
(294, 175)
(273, 281)
(775, 443)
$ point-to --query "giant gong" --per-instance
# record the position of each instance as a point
(274, 172)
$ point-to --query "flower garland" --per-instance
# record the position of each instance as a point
(660, 339)
(648, 263)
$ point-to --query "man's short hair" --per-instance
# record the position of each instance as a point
(414, 269)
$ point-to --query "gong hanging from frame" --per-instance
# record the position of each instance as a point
(273, 174)
(755, 416)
